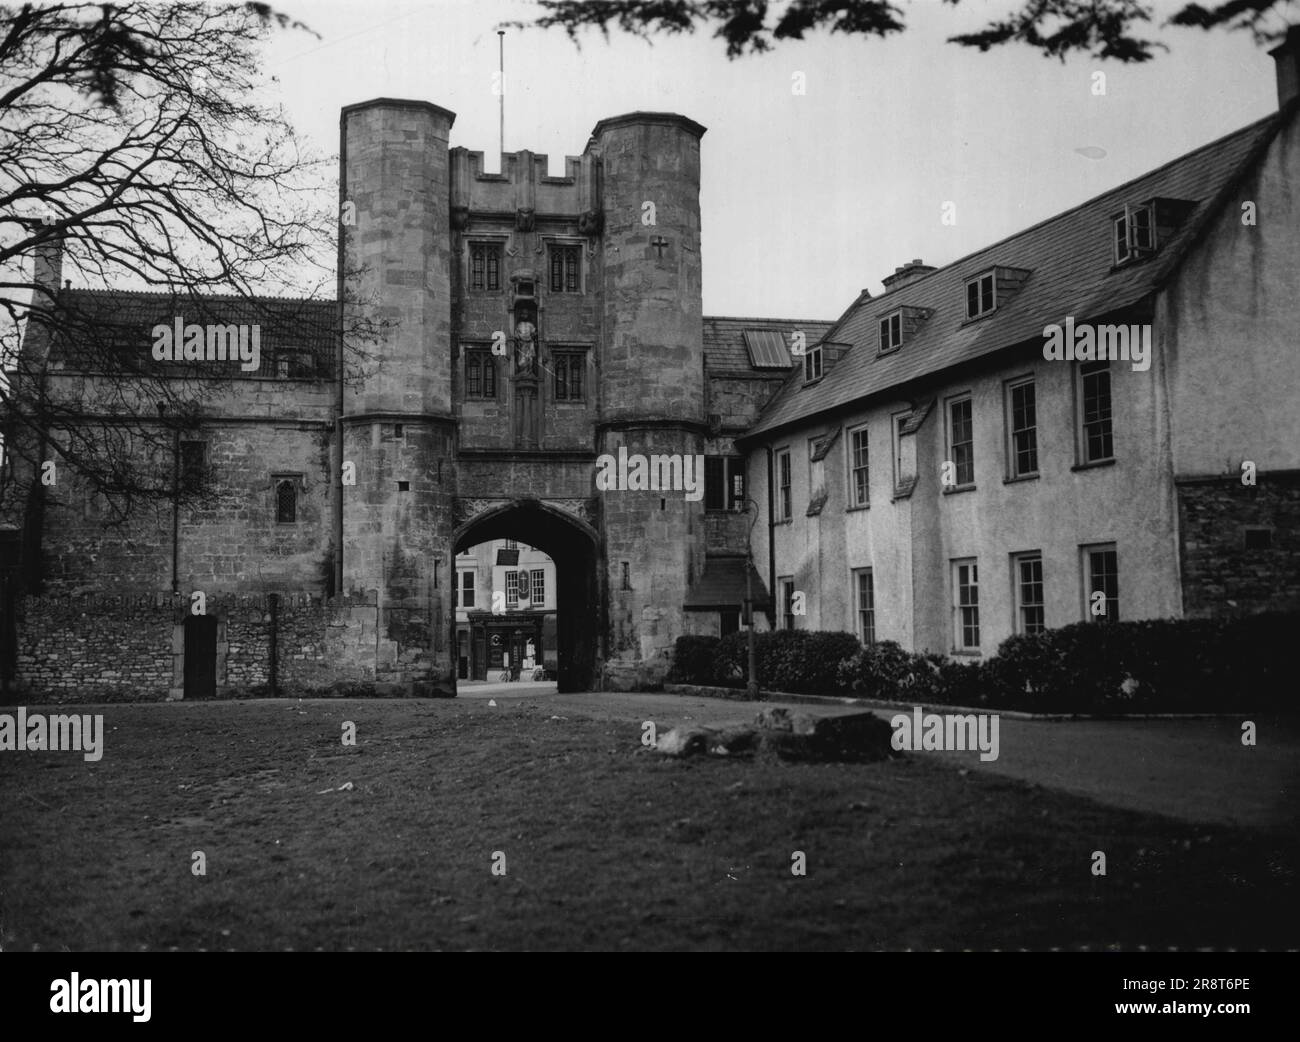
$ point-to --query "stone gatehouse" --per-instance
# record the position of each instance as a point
(530, 324)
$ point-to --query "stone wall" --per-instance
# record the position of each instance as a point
(102, 647)
(228, 539)
(1223, 573)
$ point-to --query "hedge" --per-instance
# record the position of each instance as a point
(1159, 665)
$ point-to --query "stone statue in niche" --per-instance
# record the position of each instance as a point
(525, 349)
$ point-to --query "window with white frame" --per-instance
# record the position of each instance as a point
(897, 421)
(891, 332)
(1096, 435)
(1027, 577)
(859, 468)
(981, 295)
(1022, 428)
(864, 587)
(468, 588)
(1101, 582)
(786, 586)
(1135, 233)
(512, 587)
(961, 440)
(966, 605)
(784, 507)
(539, 587)
(812, 364)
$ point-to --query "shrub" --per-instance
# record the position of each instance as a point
(799, 661)
(694, 660)
(1156, 665)
(887, 672)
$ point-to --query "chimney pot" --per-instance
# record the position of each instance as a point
(906, 273)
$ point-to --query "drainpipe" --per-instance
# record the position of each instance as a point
(338, 389)
(176, 504)
(771, 545)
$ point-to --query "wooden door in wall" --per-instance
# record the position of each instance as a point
(200, 656)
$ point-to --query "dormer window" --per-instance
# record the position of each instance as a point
(812, 364)
(899, 326)
(891, 332)
(981, 295)
(1135, 234)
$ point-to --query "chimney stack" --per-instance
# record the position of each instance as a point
(1286, 55)
(907, 273)
(47, 266)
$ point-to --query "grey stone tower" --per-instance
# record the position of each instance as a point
(652, 377)
(398, 427)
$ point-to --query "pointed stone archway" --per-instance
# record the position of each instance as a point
(575, 547)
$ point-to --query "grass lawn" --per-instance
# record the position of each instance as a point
(606, 845)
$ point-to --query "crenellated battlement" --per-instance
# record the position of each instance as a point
(523, 184)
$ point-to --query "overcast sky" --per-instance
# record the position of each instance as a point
(805, 199)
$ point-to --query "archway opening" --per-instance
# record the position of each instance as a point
(567, 627)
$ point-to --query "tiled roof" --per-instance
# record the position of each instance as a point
(723, 585)
(121, 320)
(725, 342)
(1071, 263)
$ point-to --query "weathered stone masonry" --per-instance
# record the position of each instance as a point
(438, 464)
(1239, 544)
(102, 646)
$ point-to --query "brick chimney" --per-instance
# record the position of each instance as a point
(1286, 55)
(907, 273)
(47, 263)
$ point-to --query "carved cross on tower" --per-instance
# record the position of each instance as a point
(659, 242)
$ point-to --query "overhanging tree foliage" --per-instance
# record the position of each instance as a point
(1100, 28)
(132, 143)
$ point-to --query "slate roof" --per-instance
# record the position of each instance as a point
(97, 321)
(724, 339)
(1071, 263)
(723, 586)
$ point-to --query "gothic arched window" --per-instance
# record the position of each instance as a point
(286, 501)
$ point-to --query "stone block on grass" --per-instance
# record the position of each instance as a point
(851, 738)
(686, 741)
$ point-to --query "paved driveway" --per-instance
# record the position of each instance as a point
(1196, 770)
